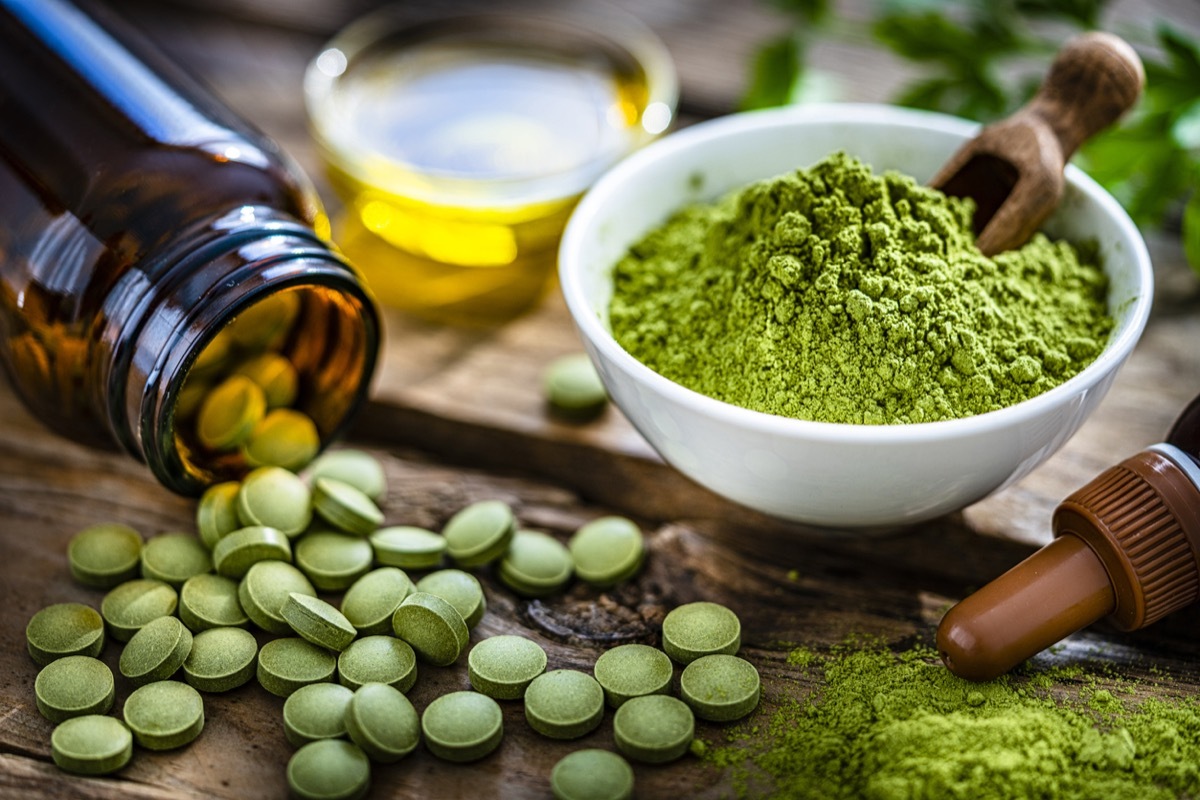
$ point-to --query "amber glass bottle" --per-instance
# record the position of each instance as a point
(138, 219)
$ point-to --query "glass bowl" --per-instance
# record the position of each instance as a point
(460, 141)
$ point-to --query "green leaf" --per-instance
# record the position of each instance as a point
(1167, 91)
(1191, 231)
(777, 68)
(1140, 165)
(962, 9)
(988, 97)
(1185, 130)
(1155, 186)
(926, 36)
(1085, 13)
(928, 94)
(921, 33)
(812, 11)
(1184, 52)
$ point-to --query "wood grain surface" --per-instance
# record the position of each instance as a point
(457, 416)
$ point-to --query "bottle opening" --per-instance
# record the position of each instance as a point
(273, 385)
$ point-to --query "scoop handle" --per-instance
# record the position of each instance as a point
(1095, 78)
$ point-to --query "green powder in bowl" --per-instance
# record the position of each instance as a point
(836, 295)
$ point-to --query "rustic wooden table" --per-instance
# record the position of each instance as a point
(457, 416)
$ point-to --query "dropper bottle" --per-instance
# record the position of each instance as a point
(1127, 547)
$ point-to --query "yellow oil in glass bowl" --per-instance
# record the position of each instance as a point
(459, 145)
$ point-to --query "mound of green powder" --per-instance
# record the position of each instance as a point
(837, 295)
(885, 726)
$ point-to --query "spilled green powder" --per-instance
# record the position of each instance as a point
(836, 295)
(886, 726)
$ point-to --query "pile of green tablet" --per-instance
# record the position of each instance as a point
(267, 545)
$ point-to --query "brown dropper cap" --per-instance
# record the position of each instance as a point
(1127, 545)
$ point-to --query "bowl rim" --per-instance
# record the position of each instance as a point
(1120, 344)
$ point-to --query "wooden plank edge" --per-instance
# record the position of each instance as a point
(34, 779)
(640, 487)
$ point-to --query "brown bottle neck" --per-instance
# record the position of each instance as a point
(161, 316)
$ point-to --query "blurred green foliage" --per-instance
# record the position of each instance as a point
(977, 57)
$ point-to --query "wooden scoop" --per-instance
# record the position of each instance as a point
(1014, 168)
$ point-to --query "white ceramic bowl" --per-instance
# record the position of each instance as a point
(824, 474)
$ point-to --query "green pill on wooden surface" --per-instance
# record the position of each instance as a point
(91, 745)
(700, 629)
(216, 513)
(383, 722)
(573, 387)
(74, 686)
(174, 557)
(371, 600)
(264, 590)
(284, 438)
(408, 547)
(272, 497)
(229, 413)
(354, 467)
(592, 774)
(607, 551)
(633, 670)
(164, 715)
(345, 508)
(221, 659)
(535, 565)
(378, 659)
(460, 589)
(211, 601)
(318, 622)
(720, 688)
(564, 704)
(104, 556)
(284, 665)
(653, 729)
(329, 769)
(64, 629)
(275, 375)
(236, 553)
(432, 626)
(480, 533)
(156, 652)
(462, 726)
(131, 605)
(333, 561)
(503, 666)
(315, 712)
